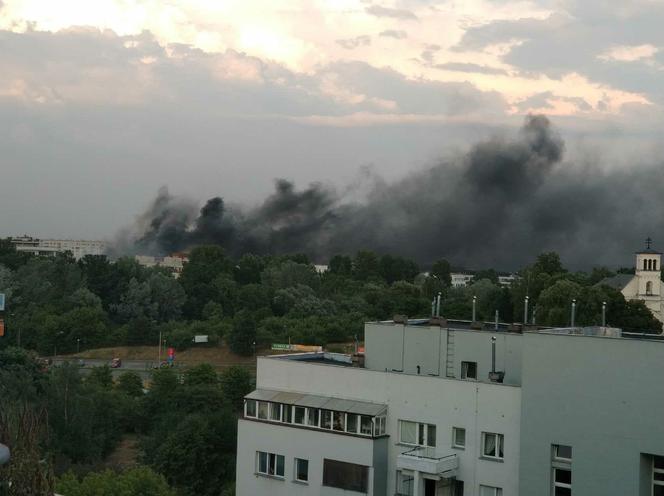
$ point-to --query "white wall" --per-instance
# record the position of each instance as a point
(444, 402)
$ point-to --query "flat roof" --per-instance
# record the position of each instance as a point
(315, 401)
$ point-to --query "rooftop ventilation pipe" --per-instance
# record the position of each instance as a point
(525, 311)
(573, 316)
(495, 376)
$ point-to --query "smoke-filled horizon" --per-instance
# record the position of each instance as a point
(498, 205)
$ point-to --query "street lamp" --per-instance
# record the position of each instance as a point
(78, 345)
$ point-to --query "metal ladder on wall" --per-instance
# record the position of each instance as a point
(449, 356)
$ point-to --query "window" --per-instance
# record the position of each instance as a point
(381, 425)
(275, 412)
(287, 413)
(417, 433)
(562, 482)
(649, 288)
(658, 476)
(313, 417)
(270, 464)
(298, 416)
(326, 419)
(250, 409)
(301, 470)
(407, 432)
(458, 437)
(490, 491)
(562, 452)
(365, 425)
(654, 265)
(645, 265)
(351, 423)
(492, 445)
(348, 476)
(262, 410)
(469, 370)
(405, 483)
(338, 421)
(561, 470)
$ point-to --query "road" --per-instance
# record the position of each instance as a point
(142, 367)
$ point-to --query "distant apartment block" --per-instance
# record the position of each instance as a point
(49, 247)
(440, 409)
(174, 263)
(460, 280)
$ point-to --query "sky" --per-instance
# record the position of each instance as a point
(103, 102)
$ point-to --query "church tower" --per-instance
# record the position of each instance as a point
(648, 266)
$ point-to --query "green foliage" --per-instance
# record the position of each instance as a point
(140, 481)
(441, 269)
(236, 383)
(242, 335)
(130, 384)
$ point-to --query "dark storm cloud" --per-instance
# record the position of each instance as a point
(497, 205)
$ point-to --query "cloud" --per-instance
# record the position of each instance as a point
(394, 33)
(380, 11)
(606, 48)
(547, 101)
(470, 67)
(352, 43)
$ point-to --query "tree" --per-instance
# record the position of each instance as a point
(197, 454)
(441, 269)
(203, 374)
(248, 269)
(365, 266)
(341, 265)
(206, 263)
(131, 384)
(236, 383)
(100, 377)
(242, 336)
(139, 481)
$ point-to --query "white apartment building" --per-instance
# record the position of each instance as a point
(174, 263)
(442, 410)
(49, 247)
(460, 280)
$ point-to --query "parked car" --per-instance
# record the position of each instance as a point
(116, 363)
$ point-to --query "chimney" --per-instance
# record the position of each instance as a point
(495, 376)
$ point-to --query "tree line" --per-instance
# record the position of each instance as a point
(58, 305)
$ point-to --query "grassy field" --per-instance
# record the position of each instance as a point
(219, 356)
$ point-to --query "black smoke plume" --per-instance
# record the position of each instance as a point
(499, 205)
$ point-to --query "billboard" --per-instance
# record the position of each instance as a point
(200, 339)
(2, 328)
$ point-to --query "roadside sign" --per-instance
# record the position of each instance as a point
(2, 328)
(200, 339)
(282, 347)
(171, 353)
(2, 302)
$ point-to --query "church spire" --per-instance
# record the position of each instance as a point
(648, 242)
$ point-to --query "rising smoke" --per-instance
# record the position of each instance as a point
(498, 205)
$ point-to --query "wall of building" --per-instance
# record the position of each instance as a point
(312, 445)
(447, 403)
(395, 347)
(602, 396)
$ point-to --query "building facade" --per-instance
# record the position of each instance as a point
(439, 409)
(49, 247)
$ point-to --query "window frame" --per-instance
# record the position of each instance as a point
(497, 491)
(422, 432)
(272, 407)
(271, 464)
(464, 370)
(362, 487)
(455, 443)
(246, 408)
(499, 446)
(657, 471)
(296, 467)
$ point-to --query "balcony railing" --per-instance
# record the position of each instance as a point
(428, 460)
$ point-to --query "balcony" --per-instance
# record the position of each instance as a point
(429, 461)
